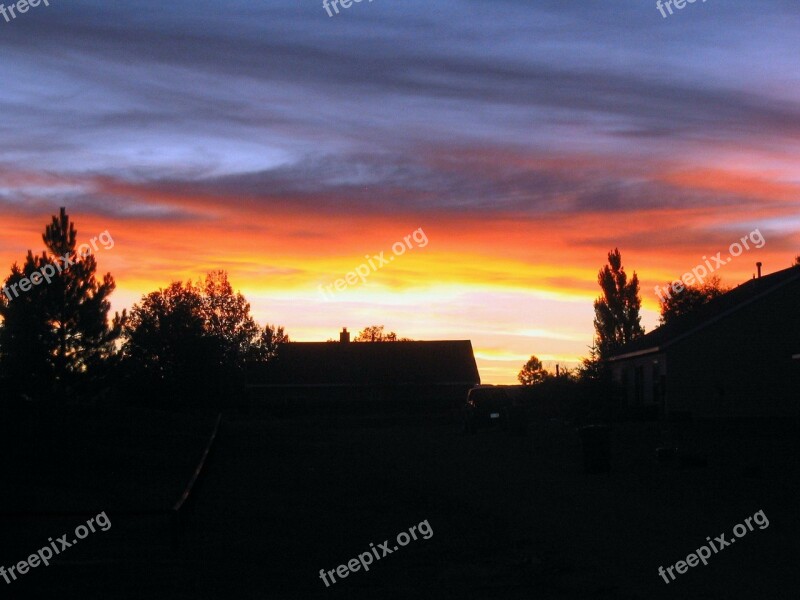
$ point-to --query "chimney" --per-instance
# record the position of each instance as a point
(758, 266)
(344, 336)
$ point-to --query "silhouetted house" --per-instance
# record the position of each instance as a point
(735, 356)
(375, 374)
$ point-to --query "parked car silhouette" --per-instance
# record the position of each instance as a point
(490, 406)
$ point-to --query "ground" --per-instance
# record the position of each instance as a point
(512, 517)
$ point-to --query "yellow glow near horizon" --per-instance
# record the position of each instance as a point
(512, 284)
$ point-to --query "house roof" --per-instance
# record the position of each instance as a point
(369, 363)
(718, 308)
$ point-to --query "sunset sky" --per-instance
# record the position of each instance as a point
(526, 139)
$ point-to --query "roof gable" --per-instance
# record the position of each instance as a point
(718, 308)
(371, 363)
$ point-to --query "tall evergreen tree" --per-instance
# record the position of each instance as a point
(56, 331)
(617, 319)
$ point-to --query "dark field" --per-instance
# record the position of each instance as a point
(512, 517)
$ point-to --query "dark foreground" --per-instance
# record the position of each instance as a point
(512, 517)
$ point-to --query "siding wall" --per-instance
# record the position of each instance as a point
(741, 365)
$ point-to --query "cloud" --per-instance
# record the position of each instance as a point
(526, 138)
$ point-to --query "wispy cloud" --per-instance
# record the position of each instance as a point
(527, 138)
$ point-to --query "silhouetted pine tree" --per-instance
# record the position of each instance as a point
(56, 333)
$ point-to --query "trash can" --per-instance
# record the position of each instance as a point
(596, 441)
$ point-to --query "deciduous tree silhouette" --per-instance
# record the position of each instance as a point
(690, 298)
(56, 333)
(227, 318)
(532, 372)
(191, 341)
(374, 333)
(166, 345)
(271, 338)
